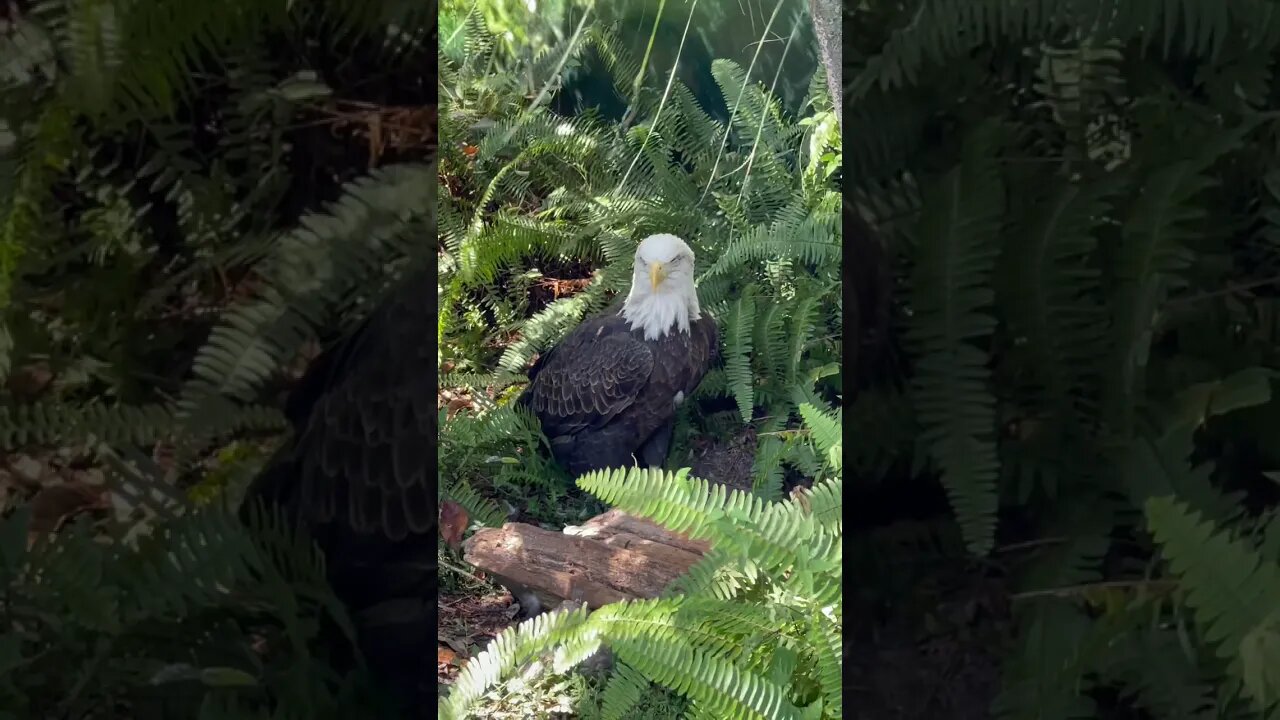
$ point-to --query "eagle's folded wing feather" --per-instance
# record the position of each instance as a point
(589, 381)
(363, 450)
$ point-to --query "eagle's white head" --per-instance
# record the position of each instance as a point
(662, 295)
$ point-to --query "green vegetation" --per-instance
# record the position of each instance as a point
(557, 160)
(1079, 203)
(191, 197)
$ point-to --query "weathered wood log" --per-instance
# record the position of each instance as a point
(609, 558)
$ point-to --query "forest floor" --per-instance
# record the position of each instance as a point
(900, 668)
(467, 620)
(897, 672)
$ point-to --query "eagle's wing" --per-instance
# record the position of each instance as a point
(365, 414)
(593, 375)
(358, 474)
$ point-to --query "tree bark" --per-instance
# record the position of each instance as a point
(826, 25)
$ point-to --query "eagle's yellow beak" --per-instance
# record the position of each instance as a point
(657, 273)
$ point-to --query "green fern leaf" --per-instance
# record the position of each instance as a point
(950, 297)
(737, 343)
(1232, 590)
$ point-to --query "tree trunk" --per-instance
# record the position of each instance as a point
(826, 25)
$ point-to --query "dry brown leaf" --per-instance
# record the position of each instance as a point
(29, 381)
(55, 504)
(445, 656)
(457, 404)
(801, 495)
(453, 522)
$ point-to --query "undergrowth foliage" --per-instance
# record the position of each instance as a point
(753, 630)
(539, 218)
(188, 205)
(525, 193)
(153, 615)
(1080, 202)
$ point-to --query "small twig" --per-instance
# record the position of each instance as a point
(1014, 547)
(1162, 585)
(1230, 289)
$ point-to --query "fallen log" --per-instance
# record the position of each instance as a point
(611, 557)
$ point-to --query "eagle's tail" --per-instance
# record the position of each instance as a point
(387, 588)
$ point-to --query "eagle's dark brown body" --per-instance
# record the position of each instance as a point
(359, 475)
(607, 397)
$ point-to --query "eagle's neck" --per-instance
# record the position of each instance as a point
(659, 314)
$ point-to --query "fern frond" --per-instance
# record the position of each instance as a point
(510, 648)
(1231, 589)
(54, 424)
(737, 343)
(328, 256)
(950, 301)
(941, 31)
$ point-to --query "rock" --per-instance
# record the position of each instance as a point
(27, 469)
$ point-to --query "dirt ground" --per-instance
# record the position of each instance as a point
(947, 668)
(726, 462)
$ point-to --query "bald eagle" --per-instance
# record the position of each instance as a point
(358, 471)
(606, 396)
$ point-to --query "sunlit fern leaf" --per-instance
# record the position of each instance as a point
(950, 297)
(767, 468)
(814, 240)
(691, 131)
(825, 501)
(510, 648)
(723, 687)
(481, 510)
(770, 339)
(802, 325)
(622, 692)
(621, 63)
(825, 430)
(737, 343)
(826, 640)
(740, 524)
(754, 109)
(501, 242)
(549, 326)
